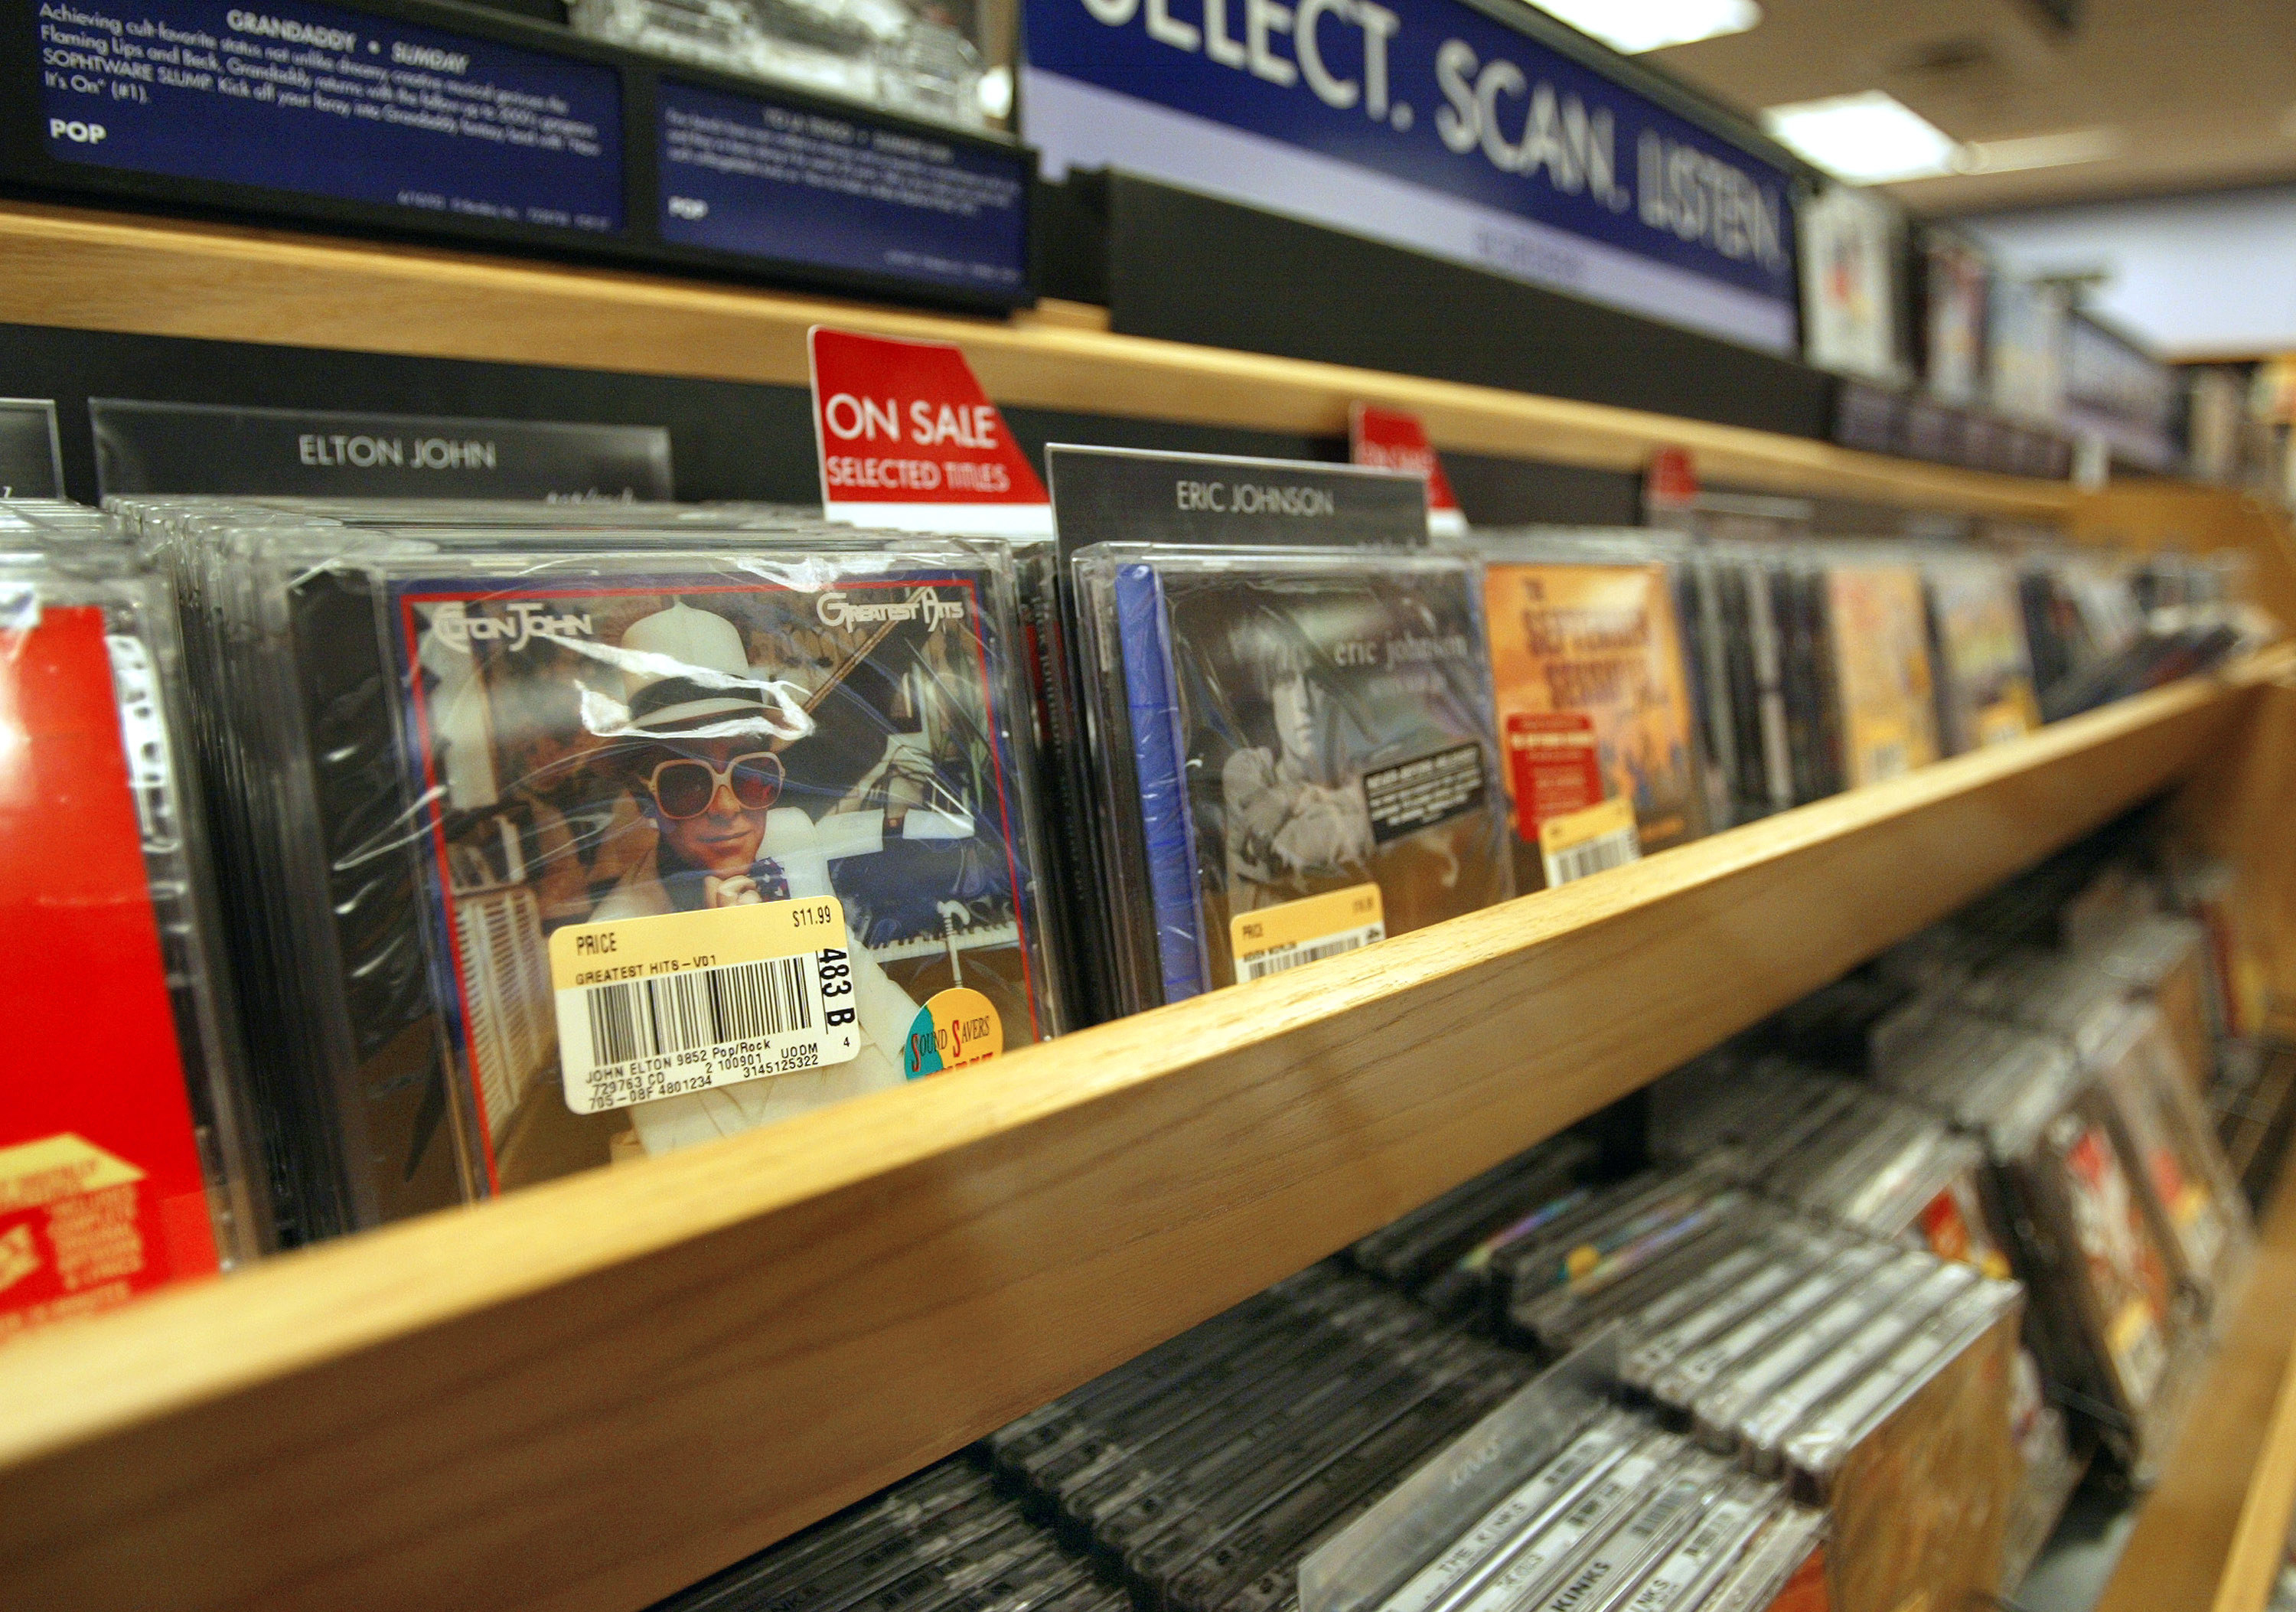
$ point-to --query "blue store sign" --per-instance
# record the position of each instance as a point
(1430, 125)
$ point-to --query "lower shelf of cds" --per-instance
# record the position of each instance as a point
(597, 1391)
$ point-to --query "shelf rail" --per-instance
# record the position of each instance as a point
(100, 271)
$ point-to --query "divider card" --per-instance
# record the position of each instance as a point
(199, 448)
(1123, 494)
(31, 455)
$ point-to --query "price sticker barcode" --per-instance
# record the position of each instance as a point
(1885, 761)
(708, 1008)
(2002, 721)
(681, 1002)
(1879, 748)
(1581, 842)
(1274, 939)
(2137, 1350)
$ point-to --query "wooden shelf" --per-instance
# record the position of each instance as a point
(2212, 1532)
(591, 1393)
(108, 272)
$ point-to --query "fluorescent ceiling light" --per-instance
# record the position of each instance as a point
(1865, 139)
(1634, 26)
(2037, 151)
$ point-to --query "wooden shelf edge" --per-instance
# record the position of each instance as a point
(2213, 1530)
(81, 269)
(2259, 1541)
(590, 1394)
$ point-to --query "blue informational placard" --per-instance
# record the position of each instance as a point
(1427, 124)
(329, 103)
(740, 174)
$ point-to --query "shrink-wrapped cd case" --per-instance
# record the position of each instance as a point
(1984, 671)
(127, 1159)
(1876, 629)
(1294, 754)
(1594, 704)
(497, 788)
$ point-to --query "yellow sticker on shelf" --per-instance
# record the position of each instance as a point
(1271, 940)
(2001, 722)
(1590, 841)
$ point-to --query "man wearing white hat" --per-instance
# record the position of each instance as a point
(711, 781)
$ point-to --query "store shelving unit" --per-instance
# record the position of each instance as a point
(587, 1394)
(590, 1394)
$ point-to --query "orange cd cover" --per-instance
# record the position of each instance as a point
(1592, 702)
(1881, 670)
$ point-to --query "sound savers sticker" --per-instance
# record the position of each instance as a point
(953, 1028)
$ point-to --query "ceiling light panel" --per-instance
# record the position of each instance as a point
(1869, 138)
(1634, 26)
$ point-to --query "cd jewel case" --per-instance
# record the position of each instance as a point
(1275, 728)
(443, 752)
(1594, 701)
(665, 744)
(126, 1153)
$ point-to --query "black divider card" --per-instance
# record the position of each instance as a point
(765, 179)
(185, 447)
(1115, 495)
(31, 461)
(324, 102)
